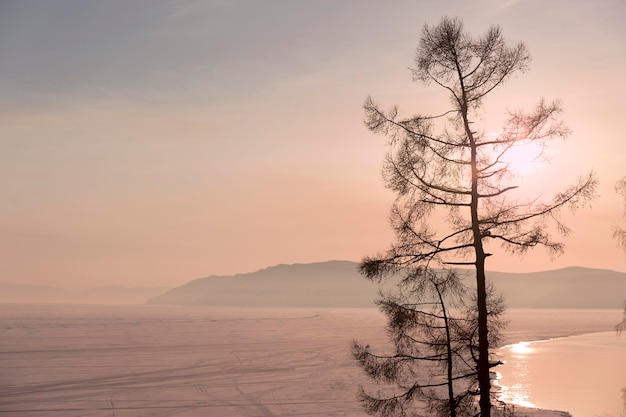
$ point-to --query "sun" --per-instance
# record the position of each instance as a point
(525, 158)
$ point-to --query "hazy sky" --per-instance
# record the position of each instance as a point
(150, 142)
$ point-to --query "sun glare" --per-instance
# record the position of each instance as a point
(516, 397)
(521, 348)
(518, 393)
(525, 159)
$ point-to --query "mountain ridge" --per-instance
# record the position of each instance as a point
(338, 284)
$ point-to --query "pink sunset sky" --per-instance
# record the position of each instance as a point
(152, 142)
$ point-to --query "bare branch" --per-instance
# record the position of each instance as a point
(453, 165)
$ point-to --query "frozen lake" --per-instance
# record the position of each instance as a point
(179, 361)
(77, 360)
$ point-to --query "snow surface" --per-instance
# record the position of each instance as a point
(156, 361)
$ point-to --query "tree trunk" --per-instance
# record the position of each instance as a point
(449, 363)
(484, 380)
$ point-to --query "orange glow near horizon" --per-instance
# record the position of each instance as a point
(213, 138)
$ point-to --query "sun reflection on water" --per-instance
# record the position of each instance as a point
(517, 393)
(521, 349)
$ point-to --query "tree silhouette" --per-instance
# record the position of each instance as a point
(619, 233)
(444, 165)
(432, 323)
(621, 326)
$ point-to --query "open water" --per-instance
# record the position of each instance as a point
(583, 374)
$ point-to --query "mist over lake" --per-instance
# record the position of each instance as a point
(288, 208)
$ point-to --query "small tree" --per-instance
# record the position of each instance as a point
(619, 233)
(432, 325)
(445, 164)
(621, 326)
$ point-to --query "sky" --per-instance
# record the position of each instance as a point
(152, 142)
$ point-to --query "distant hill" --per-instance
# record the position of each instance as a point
(572, 287)
(325, 284)
(338, 284)
(119, 294)
(30, 293)
(20, 293)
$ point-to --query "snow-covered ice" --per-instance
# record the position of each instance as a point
(65, 361)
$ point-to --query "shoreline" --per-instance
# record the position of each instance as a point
(543, 325)
(548, 339)
(521, 390)
(532, 325)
